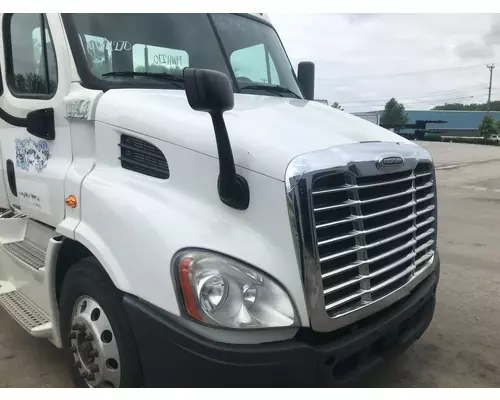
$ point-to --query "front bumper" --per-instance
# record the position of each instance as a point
(173, 356)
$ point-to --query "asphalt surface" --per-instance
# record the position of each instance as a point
(461, 348)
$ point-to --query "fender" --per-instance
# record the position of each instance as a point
(135, 224)
(100, 249)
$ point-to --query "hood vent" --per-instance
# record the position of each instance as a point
(143, 157)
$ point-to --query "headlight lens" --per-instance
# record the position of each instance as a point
(221, 291)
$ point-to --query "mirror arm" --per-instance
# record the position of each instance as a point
(233, 188)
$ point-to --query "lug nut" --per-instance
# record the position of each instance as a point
(77, 364)
(89, 337)
(72, 335)
(93, 353)
(75, 326)
(94, 368)
(73, 349)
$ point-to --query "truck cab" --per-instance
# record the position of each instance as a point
(177, 210)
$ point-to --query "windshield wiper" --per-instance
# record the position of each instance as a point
(175, 79)
(279, 90)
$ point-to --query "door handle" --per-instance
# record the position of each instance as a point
(11, 176)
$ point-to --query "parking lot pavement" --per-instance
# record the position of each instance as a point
(461, 348)
(451, 155)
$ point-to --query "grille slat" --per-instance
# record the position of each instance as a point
(359, 217)
(351, 187)
(341, 270)
(370, 246)
(424, 246)
(424, 186)
(345, 300)
(426, 210)
(424, 258)
(426, 222)
(358, 264)
(343, 285)
(367, 231)
(350, 203)
(430, 196)
(382, 237)
(393, 265)
(405, 272)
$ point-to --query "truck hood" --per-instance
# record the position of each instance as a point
(266, 132)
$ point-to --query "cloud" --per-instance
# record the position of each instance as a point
(486, 47)
(492, 37)
(360, 57)
(360, 18)
(474, 51)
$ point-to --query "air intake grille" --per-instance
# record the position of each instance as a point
(143, 157)
(373, 233)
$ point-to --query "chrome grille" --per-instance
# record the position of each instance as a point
(372, 233)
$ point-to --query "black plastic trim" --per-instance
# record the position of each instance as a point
(139, 156)
(11, 177)
(1, 82)
(10, 119)
(41, 123)
(168, 349)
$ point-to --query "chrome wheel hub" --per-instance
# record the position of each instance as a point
(93, 345)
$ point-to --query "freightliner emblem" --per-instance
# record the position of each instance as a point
(390, 161)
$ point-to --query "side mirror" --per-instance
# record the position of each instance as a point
(212, 92)
(40, 123)
(209, 91)
(306, 78)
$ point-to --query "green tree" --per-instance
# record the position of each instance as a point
(497, 126)
(337, 105)
(487, 127)
(494, 106)
(394, 114)
(159, 68)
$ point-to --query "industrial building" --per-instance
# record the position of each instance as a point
(457, 123)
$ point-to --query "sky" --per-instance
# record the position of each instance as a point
(423, 60)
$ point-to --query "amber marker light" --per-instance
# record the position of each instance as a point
(187, 293)
(71, 201)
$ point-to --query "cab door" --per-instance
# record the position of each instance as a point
(34, 134)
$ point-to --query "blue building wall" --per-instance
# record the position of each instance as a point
(456, 119)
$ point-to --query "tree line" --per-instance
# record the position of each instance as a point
(395, 114)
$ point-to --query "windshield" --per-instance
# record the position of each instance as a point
(151, 50)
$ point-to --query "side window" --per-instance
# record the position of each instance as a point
(31, 67)
(158, 59)
(254, 64)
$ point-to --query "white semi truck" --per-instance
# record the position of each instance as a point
(176, 211)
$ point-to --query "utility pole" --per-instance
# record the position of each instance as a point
(491, 68)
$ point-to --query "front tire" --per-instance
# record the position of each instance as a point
(97, 337)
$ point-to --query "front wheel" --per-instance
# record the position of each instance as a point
(97, 337)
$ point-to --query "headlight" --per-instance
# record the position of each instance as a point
(220, 291)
